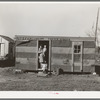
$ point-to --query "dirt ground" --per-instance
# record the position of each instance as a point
(10, 81)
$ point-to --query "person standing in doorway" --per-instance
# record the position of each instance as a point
(45, 52)
(40, 49)
(44, 66)
(41, 59)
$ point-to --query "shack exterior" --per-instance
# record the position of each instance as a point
(72, 54)
(7, 51)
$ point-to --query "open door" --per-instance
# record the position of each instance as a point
(43, 53)
(77, 56)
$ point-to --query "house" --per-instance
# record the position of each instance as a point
(72, 54)
(7, 51)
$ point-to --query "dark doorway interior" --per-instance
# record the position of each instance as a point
(43, 43)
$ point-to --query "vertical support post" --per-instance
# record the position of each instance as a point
(72, 67)
(82, 57)
(96, 32)
(50, 55)
(37, 56)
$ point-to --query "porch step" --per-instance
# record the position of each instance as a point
(40, 70)
(41, 74)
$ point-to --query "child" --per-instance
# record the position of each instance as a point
(44, 66)
(44, 50)
(40, 49)
(41, 59)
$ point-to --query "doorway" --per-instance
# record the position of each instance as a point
(77, 56)
(43, 53)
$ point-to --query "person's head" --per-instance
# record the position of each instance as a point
(44, 46)
(45, 62)
(40, 46)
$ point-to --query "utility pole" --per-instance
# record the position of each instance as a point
(96, 32)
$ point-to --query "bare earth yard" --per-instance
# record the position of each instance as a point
(10, 81)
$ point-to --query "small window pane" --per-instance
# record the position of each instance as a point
(77, 48)
(78, 51)
(75, 51)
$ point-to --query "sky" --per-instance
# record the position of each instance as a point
(47, 18)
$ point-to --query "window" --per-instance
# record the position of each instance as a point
(77, 48)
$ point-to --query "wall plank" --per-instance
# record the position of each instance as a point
(89, 51)
(61, 43)
(25, 55)
(89, 44)
(32, 43)
(26, 49)
(61, 56)
(62, 50)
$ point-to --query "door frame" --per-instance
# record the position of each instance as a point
(81, 60)
(49, 59)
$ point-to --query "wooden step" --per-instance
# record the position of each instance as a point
(41, 74)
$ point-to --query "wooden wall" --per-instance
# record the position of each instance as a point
(88, 55)
(26, 54)
(61, 54)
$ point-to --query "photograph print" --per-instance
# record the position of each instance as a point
(49, 46)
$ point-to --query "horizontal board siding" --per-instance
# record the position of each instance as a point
(32, 43)
(59, 61)
(25, 55)
(89, 50)
(69, 56)
(61, 56)
(88, 56)
(88, 62)
(26, 60)
(77, 68)
(65, 68)
(62, 50)
(89, 44)
(26, 49)
(68, 50)
(26, 66)
(87, 69)
(77, 64)
(61, 43)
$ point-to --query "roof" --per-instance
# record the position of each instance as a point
(7, 38)
(26, 37)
